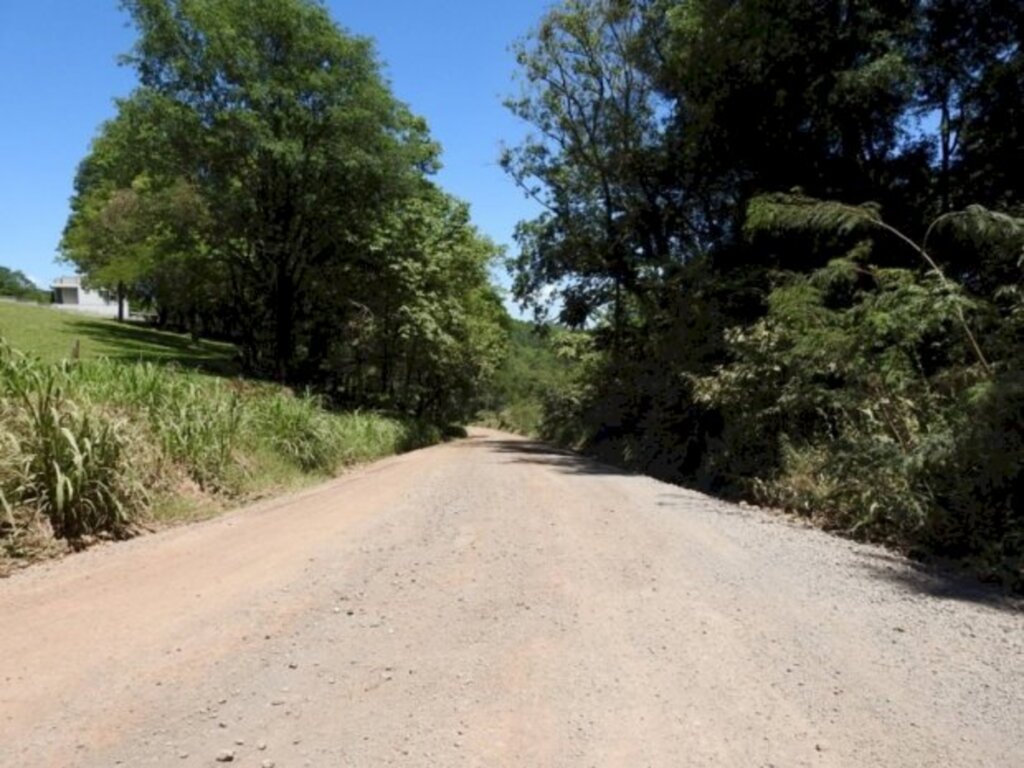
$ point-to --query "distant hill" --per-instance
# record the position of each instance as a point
(15, 284)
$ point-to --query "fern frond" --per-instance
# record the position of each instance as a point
(779, 213)
(978, 224)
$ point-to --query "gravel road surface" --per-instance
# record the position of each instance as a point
(494, 602)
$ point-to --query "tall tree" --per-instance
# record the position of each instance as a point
(970, 59)
(858, 357)
(284, 127)
(769, 95)
(263, 183)
(593, 162)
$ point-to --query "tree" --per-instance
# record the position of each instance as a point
(971, 74)
(858, 358)
(772, 95)
(144, 241)
(288, 135)
(14, 283)
(420, 330)
(593, 163)
(262, 183)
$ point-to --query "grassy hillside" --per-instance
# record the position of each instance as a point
(51, 334)
(146, 428)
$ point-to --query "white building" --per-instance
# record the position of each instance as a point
(69, 293)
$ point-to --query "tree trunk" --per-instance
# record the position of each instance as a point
(617, 319)
(946, 152)
(284, 315)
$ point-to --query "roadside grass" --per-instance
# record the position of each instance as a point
(137, 434)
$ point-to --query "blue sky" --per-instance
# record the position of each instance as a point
(448, 59)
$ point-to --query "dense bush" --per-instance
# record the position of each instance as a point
(794, 235)
(861, 398)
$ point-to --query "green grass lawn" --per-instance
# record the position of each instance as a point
(51, 334)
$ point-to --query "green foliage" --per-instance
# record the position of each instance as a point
(15, 284)
(534, 367)
(775, 214)
(89, 447)
(198, 421)
(316, 440)
(427, 334)
(876, 422)
(593, 161)
(754, 326)
(263, 185)
(781, 213)
(299, 428)
(71, 463)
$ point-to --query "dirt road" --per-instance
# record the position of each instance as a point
(496, 603)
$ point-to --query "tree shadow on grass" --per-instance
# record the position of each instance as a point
(132, 343)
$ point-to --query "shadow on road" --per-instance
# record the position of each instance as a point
(941, 581)
(938, 581)
(533, 452)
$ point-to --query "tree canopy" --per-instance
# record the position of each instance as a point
(791, 232)
(262, 183)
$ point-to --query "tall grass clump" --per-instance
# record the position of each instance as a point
(315, 439)
(299, 428)
(87, 447)
(10, 460)
(69, 461)
(369, 436)
(197, 421)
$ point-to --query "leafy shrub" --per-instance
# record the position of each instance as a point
(400, 436)
(859, 399)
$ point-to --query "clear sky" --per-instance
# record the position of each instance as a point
(447, 59)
